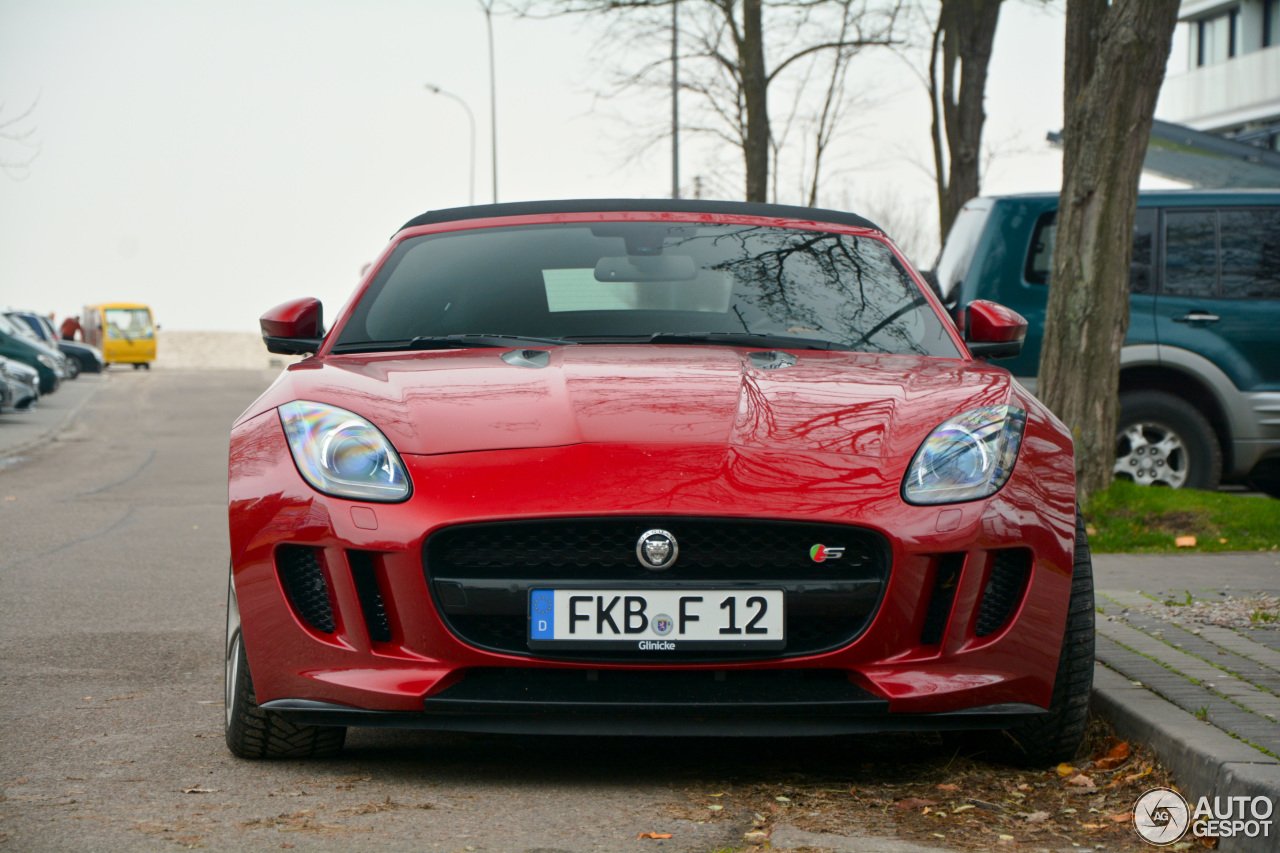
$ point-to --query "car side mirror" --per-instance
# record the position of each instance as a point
(294, 327)
(992, 330)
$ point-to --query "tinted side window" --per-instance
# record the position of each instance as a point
(1191, 253)
(1251, 254)
(1040, 254)
(1142, 265)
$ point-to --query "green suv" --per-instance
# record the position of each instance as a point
(1200, 369)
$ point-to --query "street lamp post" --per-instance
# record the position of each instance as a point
(487, 6)
(436, 90)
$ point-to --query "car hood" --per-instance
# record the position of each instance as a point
(470, 400)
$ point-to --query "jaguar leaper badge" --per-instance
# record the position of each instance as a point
(657, 549)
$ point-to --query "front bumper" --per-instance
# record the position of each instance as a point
(923, 660)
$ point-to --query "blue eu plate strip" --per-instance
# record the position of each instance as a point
(542, 614)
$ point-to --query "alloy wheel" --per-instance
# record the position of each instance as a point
(1151, 454)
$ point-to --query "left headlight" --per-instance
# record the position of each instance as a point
(342, 454)
(47, 361)
(966, 458)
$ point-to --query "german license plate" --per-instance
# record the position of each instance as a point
(656, 620)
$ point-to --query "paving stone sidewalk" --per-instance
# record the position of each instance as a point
(1214, 653)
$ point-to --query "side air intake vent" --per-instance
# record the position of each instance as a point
(1009, 572)
(303, 578)
(371, 602)
(945, 580)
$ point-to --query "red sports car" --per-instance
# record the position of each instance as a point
(652, 467)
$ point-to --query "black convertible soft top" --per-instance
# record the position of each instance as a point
(658, 205)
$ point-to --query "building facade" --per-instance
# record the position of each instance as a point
(1231, 87)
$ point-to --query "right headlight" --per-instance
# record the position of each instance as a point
(341, 454)
(966, 458)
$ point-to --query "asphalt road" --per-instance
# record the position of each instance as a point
(113, 561)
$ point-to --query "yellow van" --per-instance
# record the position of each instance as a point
(123, 331)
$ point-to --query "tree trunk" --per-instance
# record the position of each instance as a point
(1116, 55)
(755, 88)
(968, 29)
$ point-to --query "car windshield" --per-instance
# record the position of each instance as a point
(29, 324)
(9, 327)
(962, 244)
(128, 323)
(654, 282)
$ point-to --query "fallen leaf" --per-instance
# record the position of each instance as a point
(198, 790)
(1065, 769)
(1006, 837)
(1185, 542)
(912, 803)
(959, 809)
(1122, 817)
(1133, 777)
(783, 799)
(654, 835)
(1037, 817)
(1080, 781)
(756, 837)
(1118, 755)
(1222, 542)
(947, 786)
(721, 794)
(1091, 530)
(10, 498)
(715, 807)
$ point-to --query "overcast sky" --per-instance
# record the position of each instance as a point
(213, 158)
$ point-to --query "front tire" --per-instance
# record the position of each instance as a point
(1162, 440)
(254, 733)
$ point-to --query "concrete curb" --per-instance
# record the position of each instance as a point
(1205, 760)
(8, 454)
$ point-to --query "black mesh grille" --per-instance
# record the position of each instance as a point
(371, 603)
(303, 579)
(945, 580)
(1009, 572)
(481, 574)
(710, 549)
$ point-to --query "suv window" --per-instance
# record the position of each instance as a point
(1040, 254)
(1251, 254)
(1191, 253)
(961, 244)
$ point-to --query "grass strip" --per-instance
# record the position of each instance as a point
(1130, 519)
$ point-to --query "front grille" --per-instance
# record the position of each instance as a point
(737, 693)
(480, 574)
(303, 579)
(1009, 572)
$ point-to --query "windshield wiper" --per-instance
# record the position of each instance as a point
(745, 339)
(467, 341)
